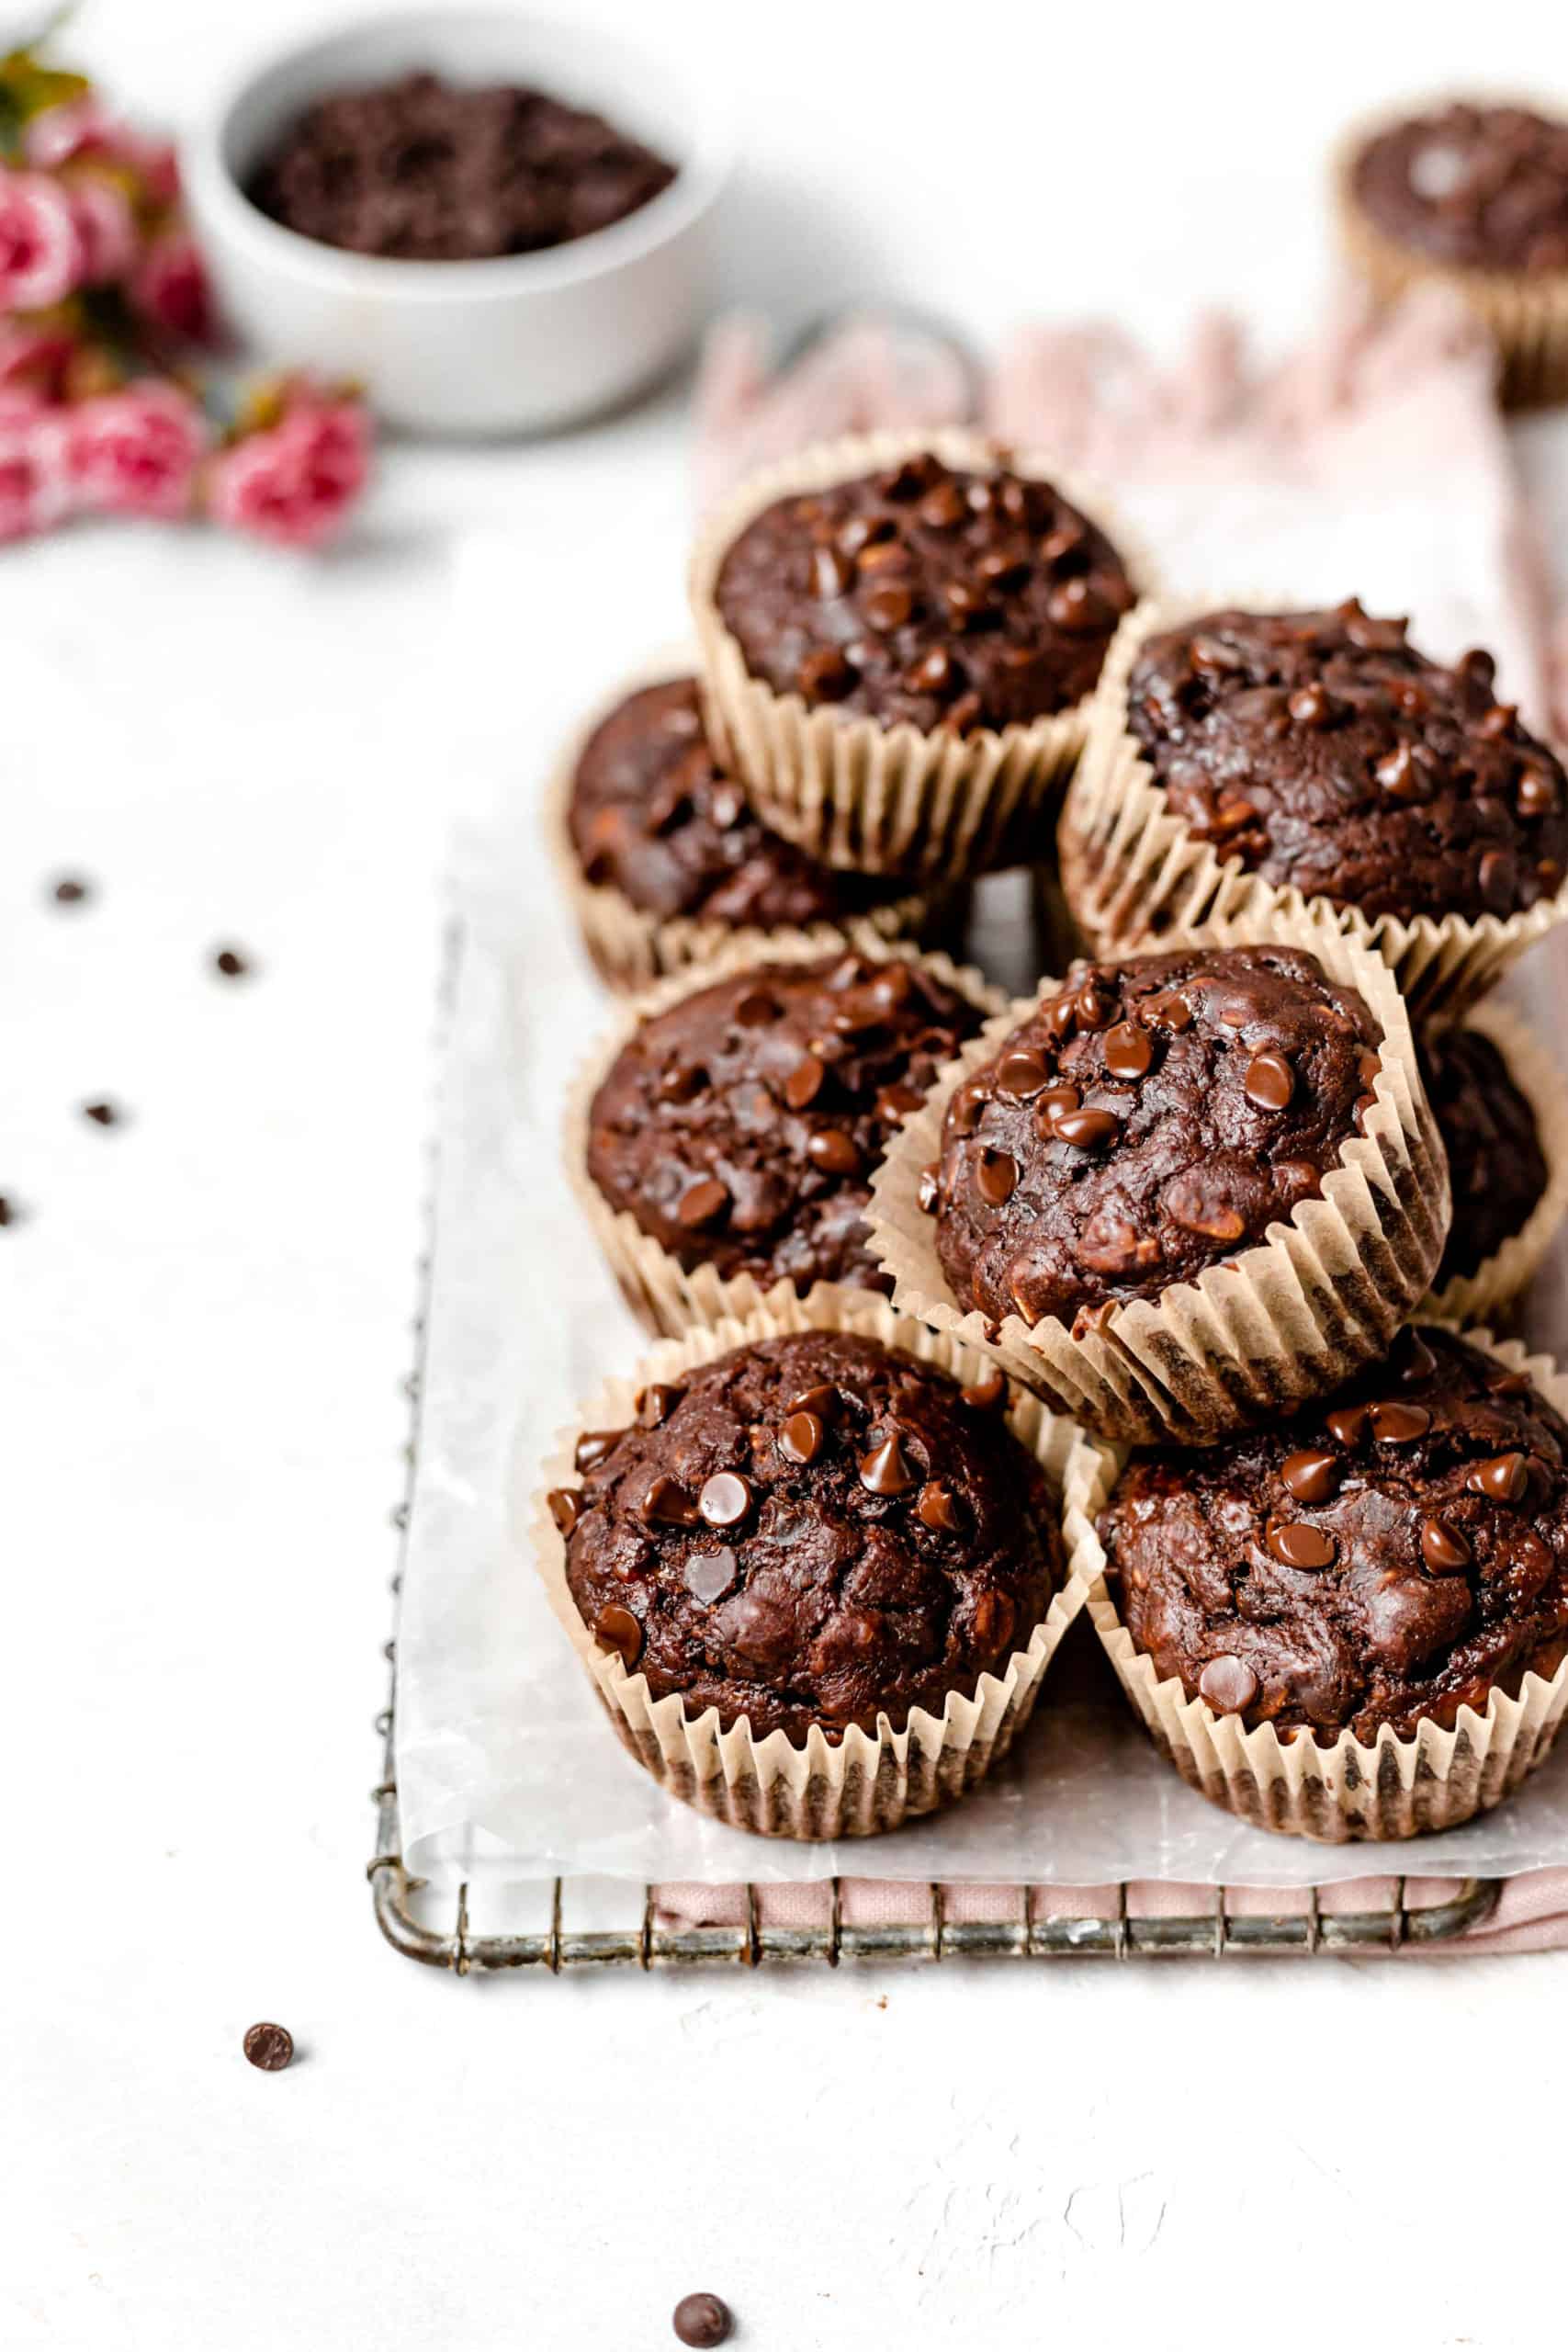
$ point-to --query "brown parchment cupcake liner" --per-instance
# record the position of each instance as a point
(666, 1296)
(861, 1784)
(630, 948)
(1525, 311)
(853, 792)
(1131, 871)
(1282, 1321)
(1500, 1281)
(1394, 1787)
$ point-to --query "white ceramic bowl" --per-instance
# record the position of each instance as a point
(509, 345)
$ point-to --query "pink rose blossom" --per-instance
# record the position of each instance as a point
(61, 133)
(40, 248)
(136, 452)
(33, 358)
(106, 228)
(171, 289)
(34, 484)
(294, 482)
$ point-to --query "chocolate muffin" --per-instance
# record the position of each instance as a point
(812, 1531)
(1385, 1560)
(1330, 757)
(420, 170)
(1496, 1166)
(653, 815)
(739, 1126)
(927, 594)
(1472, 186)
(1151, 1118)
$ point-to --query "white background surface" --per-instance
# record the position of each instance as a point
(205, 1331)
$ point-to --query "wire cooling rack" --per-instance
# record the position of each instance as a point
(646, 1943)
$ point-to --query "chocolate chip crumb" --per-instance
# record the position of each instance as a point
(103, 1115)
(270, 2047)
(10, 1213)
(72, 891)
(702, 2320)
(231, 963)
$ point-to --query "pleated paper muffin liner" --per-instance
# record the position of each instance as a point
(1283, 1320)
(1132, 871)
(631, 947)
(1393, 1787)
(861, 1782)
(666, 1298)
(1525, 311)
(855, 793)
(1499, 1282)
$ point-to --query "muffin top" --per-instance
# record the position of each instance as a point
(1496, 1167)
(423, 170)
(812, 1529)
(653, 815)
(1388, 1556)
(1330, 757)
(1478, 187)
(1149, 1119)
(926, 593)
(741, 1126)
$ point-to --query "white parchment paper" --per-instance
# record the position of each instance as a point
(506, 1767)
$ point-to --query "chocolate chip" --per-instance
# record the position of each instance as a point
(825, 675)
(886, 1470)
(936, 1508)
(1504, 1480)
(984, 1395)
(1093, 1009)
(831, 574)
(565, 1507)
(756, 1009)
(268, 2046)
(69, 891)
(1443, 1548)
(964, 1112)
(1347, 1424)
(1085, 1130)
(1020, 1075)
(943, 508)
(1312, 1477)
(725, 1500)
(822, 1400)
(966, 605)
(833, 1151)
(995, 1617)
(1055, 1099)
(1301, 1546)
(936, 673)
(1170, 1011)
(1310, 707)
(1528, 1552)
(1269, 1082)
(701, 1202)
(929, 1191)
(1399, 1424)
(801, 1438)
(1495, 875)
(701, 2322)
(887, 607)
(896, 1103)
(996, 1175)
(620, 1630)
(1060, 1015)
(1415, 1360)
(1400, 776)
(593, 1447)
(231, 963)
(861, 531)
(681, 1082)
(1536, 795)
(1074, 605)
(668, 1504)
(709, 1575)
(656, 1403)
(1227, 1684)
(1129, 1051)
(1503, 1383)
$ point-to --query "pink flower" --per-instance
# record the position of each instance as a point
(295, 481)
(64, 134)
(136, 451)
(34, 484)
(171, 289)
(40, 248)
(33, 358)
(106, 229)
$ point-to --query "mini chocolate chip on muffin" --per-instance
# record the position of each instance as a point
(1150, 1119)
(741, 1126)
(420, 170)
(813, 1530)
(1496, 1167)
(1472, 186)
(654, 816)
(1330, 756)
(1385, 1558)
(927, 594)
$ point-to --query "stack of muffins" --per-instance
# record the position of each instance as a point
(978, 1316)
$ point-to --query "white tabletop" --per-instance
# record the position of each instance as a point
(206, 1319)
